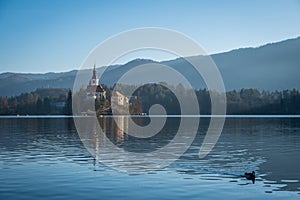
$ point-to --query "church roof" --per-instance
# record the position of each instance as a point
(100, 89)
(94, 88)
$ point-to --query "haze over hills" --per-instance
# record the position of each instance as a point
(274, 66)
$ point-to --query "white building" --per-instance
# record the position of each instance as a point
(95, 90)
(119, 99)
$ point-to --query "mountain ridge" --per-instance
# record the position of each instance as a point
(272, 66)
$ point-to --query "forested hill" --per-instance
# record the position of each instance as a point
(270, 67)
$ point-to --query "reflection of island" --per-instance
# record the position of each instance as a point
(115, 133)
(114, 128)
(121, 129)
(95, 139)
(109, 130)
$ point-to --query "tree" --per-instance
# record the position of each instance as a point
(47, 106)
(68, 106)
(39, 107)
(3, 106)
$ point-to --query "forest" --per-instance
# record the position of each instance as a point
(56, 101)
(244, 101)
(43, 101)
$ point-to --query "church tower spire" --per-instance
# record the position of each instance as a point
(94, 81)
(95, 90)
(94, 73)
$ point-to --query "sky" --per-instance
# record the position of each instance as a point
(57, 35)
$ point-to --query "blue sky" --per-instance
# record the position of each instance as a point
(57, 35)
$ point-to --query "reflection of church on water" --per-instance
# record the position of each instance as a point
(115, 128)
(112, 129)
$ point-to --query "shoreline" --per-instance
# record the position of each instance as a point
(144, 116)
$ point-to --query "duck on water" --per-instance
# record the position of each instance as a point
(250, 176)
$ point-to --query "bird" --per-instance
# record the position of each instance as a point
(250, 176)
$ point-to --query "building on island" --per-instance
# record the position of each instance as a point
(119, 99)
(119, 103)
(95, 90)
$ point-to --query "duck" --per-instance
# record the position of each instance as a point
(250, 176)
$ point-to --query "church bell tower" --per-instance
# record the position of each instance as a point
(94, 81)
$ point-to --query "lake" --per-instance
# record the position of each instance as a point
(43, 157)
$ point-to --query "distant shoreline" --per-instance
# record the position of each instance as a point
(146, 116)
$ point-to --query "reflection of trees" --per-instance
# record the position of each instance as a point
(28, 132)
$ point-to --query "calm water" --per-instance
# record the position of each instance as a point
(44, 158)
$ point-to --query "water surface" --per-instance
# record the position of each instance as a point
(45, 158)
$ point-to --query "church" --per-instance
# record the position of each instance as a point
(94, 90)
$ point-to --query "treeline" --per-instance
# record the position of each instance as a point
(244, 101)
(43, 101)
(252, 101)
(50, 101)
